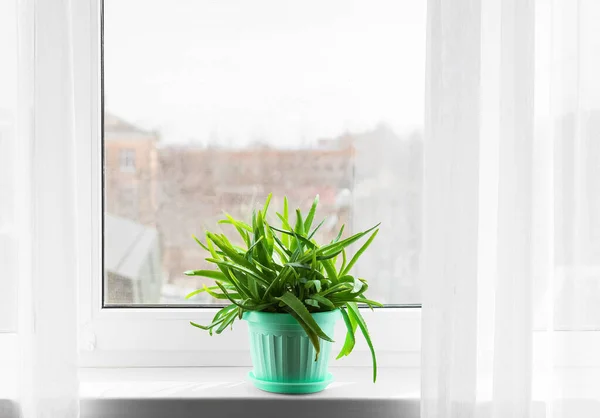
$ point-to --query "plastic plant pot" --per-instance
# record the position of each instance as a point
(283, 356)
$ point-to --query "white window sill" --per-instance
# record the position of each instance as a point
(226, 392)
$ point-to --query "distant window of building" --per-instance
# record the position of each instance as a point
(127, 160)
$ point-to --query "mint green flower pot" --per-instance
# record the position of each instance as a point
(283, 356)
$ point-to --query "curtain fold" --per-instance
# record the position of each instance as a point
(511, 323)
(47, 294)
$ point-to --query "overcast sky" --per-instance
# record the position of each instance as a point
(280, 71)
(287, 71)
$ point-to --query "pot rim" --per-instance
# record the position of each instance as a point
(286, 318)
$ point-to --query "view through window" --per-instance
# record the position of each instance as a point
(212, 105)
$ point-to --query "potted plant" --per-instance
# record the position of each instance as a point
(291, 290)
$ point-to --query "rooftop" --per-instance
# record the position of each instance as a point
(128, 244)
(116, 127)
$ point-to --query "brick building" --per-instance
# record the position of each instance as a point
(130, 168)
(197, 184)
(182, 191)
(132, 253)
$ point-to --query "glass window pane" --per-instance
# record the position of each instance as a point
(211, 106)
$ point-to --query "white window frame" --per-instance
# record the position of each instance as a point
(161, 337)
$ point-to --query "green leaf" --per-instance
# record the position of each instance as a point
(228, 320)
(298, 232)
(232, 279)
(249, 252)
(295, 235)
(194, 293)
(314, 231)
(313, 283)
(266, 206)
(269, 239)
(233, 221)
(359, 252)
(204, 327)
(211, 274)
(350, 340)
(340, 287)
(311, 214)
(331, 250)
(355, 314)
(231, 252)
(281, 244)
(217, 319)
(299, 228)
(215, 295)
(239, 226)
(358, 285)
(330, 269)
(298, 307)
(221, 312)
(369, 303)
(211, 247)
(323, 301)
(312, 335)
(209, 290)
(242, 269)
(246, 307)
(339, 235)
(343, 262)
(285, 222)
(283, 257)
(200, 243)
(311, 302)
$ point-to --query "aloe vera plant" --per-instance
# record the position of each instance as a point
(283, 269)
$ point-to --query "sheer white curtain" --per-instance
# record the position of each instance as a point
(511, 319)
(45, 212)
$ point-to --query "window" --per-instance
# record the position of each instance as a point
(297, 91)
(127, 160)
(205, 109)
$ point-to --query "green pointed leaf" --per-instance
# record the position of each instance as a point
(285, 222)
(313, 283)
(312, 335)
(249, 252)
(323, 301)
(283, 257)
(359, 252)
(228, 320)
(266, 206)
(311, 214)
(338, 246)
(231, 252)
(255, 275)
(211, 274)
(298, 307)
(314, 231)
(330, 269)
(304, 240)
(355, 314)
(299, 228)
(241, 228)
(216, 295)
(246, 307)
(311, 302)
(200, 243)
(350, 339)
(339, 235)
(343, 262)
